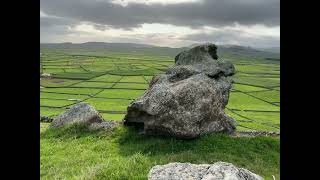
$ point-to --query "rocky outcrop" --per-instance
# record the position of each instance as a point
(216, 171)
(188, 100)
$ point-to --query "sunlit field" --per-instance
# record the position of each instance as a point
(110, 81)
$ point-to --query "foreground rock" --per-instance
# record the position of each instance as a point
(187, 171)
(82, 113)
(189, 100)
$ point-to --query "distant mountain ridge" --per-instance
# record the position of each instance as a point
(146, 48)
(271, 49)
(248, 51)
(95, 45)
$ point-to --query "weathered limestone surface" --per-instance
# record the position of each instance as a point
(189, 99)
(187, 171)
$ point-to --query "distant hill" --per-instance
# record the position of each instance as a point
(273, 53)
(271, 49)
(114, 47)
(94, 45)
(247, 51)
(166, 51)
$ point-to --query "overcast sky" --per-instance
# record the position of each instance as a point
(173, 23)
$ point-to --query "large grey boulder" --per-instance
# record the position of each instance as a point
(187, 171)
(214, 69)
(188, 100)
(81, 113)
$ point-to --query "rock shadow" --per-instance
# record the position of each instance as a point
(217, 145)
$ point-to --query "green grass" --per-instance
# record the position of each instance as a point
(245, 102)
(108, 78)
(257, 81)
(148, 78)
(77, 75)
(246, 88)
(93, 84)
(51, 111)
(258, 68)
(62, 96)
(133, 79)
(131, 86)
(77, 153)
(114, 117)
(121, 93)
(51, 102)
(114, 104)
(271, 96)
(57, 82)
(129, 72)
(257, 77)
(72, 90)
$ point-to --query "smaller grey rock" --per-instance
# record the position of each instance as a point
(81, 113)
(105, 125)
(188, 171)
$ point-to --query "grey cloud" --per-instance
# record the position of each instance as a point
(197, 14)
(54, 29)
(49, 21)
(103, 14)
(234, 37)
(101, 27)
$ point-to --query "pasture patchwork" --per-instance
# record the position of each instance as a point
(111, 81)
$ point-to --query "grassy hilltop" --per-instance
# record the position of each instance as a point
(110, 76)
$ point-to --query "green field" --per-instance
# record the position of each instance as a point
(111, 81)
